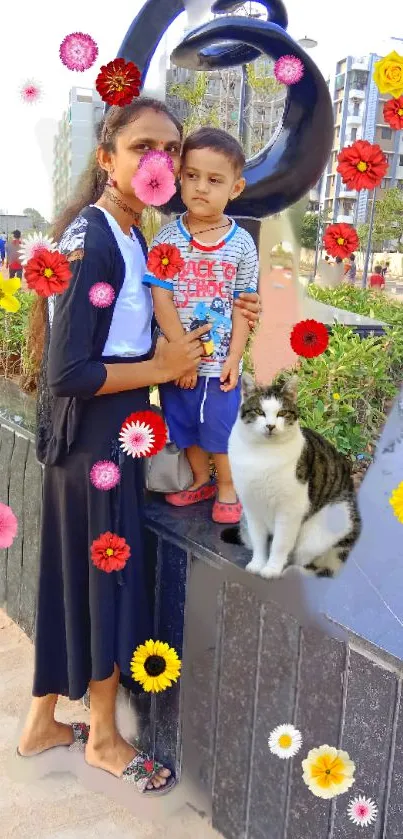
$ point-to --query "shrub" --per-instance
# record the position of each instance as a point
(362, 301)
(14, 359)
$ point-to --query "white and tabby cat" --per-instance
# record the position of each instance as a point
(295, 487)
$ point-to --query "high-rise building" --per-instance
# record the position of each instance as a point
(358, 115)
(75, 139)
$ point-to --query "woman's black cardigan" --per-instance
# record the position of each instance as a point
(72, 369)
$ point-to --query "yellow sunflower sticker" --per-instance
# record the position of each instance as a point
(155, 665)
(8, 289)
(328, 771)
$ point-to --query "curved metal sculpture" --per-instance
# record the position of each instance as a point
(295, 157)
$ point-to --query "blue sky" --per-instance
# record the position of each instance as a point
(32, 51)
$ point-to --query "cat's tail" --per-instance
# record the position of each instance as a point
(232, 535)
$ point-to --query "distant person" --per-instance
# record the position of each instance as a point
(385, 270)
(2, 248)
(13, 255)
(351, 270)
(377, 280)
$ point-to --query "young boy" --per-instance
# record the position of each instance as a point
(377, 280)
(220, 262)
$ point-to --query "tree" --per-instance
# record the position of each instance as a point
(309, 230)
(193, 91)
(38, 222)
(388, 221)
(262, 83)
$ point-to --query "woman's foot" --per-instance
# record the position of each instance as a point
(114, 755)
(38, 738)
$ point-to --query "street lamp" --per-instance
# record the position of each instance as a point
(307, 43)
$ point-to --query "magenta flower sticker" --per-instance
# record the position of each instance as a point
(78, 52)
(105, 475)
(288, 69)
(101, 295)
(362, 811)
(30, 92)
(8, 526)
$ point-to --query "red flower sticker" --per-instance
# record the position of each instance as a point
(165, 261)
(143, 434)
(362, 165)
(341, 240)
(309, 338)
(110, 552)
(393, 113)
(48, 273)
(119, 82)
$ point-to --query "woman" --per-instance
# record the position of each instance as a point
(99, 368)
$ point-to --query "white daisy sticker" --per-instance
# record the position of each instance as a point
(33, 244)
(137, 438)
(285, 741)
(362, 811)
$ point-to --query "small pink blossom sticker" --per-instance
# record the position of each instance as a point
(30, 92)
(101, 295)
(8, 526)
(288, 69)
(105, 475)
(78, 51)
(362, 811)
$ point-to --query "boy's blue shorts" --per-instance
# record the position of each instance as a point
(201, 417)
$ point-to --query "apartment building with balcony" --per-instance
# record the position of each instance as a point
(75, 139)
(358, 115)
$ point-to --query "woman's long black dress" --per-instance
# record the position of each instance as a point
(87, 619)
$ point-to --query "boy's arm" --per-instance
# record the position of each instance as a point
(246, 281)
(166, 313)
(239, 336)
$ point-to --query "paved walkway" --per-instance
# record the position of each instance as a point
(59, 807)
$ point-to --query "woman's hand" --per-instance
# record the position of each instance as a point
(250, 306)
(179, 358)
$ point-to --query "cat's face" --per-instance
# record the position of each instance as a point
(269, 412)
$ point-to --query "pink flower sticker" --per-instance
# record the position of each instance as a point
(362, 811)
(101, 295)
(8, 526)
(288, 69)
(78, 52)
(30, 92)
(158, 157)
(154, 183)
(105, 475)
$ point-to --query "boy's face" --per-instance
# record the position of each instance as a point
(208, 182)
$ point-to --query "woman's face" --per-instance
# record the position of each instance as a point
(151, 131)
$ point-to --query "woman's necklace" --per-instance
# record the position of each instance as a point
(110, 196)
(206, 230)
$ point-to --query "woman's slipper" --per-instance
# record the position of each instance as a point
(80, 733)
(141, 771)
(191, 496)
(227, 513)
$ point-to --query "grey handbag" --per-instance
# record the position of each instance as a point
(168, 471)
